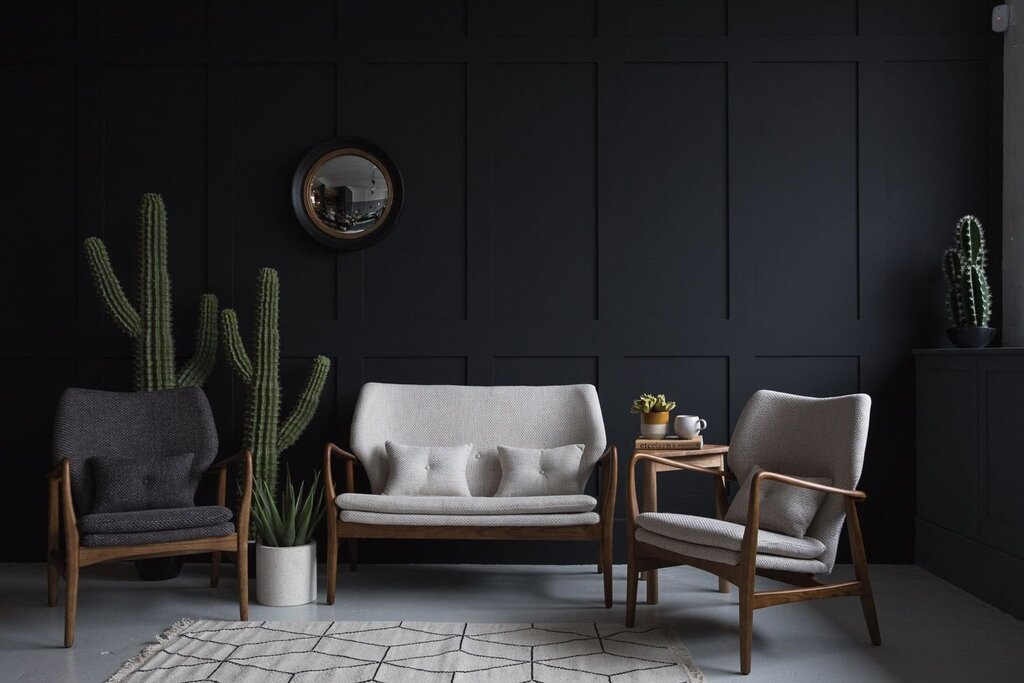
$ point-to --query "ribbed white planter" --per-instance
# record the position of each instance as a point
(285, 576)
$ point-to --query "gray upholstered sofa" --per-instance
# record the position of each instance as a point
(487, 417)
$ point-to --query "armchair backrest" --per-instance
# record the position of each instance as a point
(487, 417)
(805, 437)
(92, 423)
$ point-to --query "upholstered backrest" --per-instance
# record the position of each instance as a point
(94, 423)
(487, 417)
(805, 437)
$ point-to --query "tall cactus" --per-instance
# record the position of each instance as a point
(969, 300)
(265, 434)
(149, 323)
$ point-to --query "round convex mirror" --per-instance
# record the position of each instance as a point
(347, 193)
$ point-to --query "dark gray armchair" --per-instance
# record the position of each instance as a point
(127, 466)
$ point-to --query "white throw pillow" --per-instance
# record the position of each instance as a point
(427, 470)
(785, 509)
(539, 471)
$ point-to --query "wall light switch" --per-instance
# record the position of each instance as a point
(1000, 18)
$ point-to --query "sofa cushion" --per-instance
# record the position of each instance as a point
(726, 535)
(539, 471)
(167, 535)
(786, 509)
(153, 520)
(459, 505)
(574, 519)
(145, 481)
(427, 470)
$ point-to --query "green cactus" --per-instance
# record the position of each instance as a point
(969, 300)
(149, 324)
(264, 432)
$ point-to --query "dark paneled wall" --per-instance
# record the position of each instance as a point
(701, 198)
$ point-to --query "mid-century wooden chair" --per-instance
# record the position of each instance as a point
(793, 453)
(134, 427)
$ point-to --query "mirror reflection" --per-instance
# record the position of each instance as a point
(348, 192)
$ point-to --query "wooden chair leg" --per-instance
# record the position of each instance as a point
(243, 583)
(606, 569)
(723, 585)
(652, 587)
(860, 566)
(71, 599)
(746, 625)
(52, 544)
(353, 554)
(632, 582)
(215, 569)
(332, 566)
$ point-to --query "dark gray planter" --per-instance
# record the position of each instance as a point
(971, 337)
(159, 568)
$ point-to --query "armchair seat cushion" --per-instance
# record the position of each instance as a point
(144, 521)
(718, 533)
(723, 556)
(465, 505)
(163, 536)
(491, 520)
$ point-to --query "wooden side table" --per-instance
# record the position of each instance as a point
(711, 456)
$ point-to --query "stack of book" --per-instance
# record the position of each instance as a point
(670, 443)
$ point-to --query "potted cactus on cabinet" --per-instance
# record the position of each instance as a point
(969, 299)
(654, 413)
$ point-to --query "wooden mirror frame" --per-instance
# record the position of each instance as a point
(306, 171)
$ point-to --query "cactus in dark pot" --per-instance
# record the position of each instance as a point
(265, 434)
(149, 322)
(969, 301)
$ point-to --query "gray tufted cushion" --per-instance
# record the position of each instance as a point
(539, 471)
(786, 509)
(458, 505)
(443, 415)
(126, 424)
(581, 518)
(153, 520)
(726, 535)
(147, 537)
(706, 552)
(143, 482)
(427, 470)
(815, 437)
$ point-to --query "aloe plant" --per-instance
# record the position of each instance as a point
(294, 520)
(649, 403)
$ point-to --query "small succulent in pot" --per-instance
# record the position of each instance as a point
(654, 413)
(969, 300)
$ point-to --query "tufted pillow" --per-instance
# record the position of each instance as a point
(427, 470)
(142, 482)
(539, 471)
(785, 509)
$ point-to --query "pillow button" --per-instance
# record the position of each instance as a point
(426, 467)
(477, 456)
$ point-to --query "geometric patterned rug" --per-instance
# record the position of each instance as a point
(409, 652)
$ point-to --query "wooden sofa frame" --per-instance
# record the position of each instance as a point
(338, 530)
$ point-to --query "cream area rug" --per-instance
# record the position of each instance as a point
(410, 652)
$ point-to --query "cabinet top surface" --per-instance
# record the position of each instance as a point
(997, 351)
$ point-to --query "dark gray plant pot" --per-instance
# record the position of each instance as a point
(971, 337)
(159, 568)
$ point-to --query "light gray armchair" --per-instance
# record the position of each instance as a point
(799, 459)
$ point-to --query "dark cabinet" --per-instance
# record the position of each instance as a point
(970, 470)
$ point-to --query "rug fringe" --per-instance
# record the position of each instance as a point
(683, 655)
(162, 639)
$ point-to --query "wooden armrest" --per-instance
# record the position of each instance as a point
(227, 462)
(337, 451)
(57, 471)
(610, 453)
(332, 451)
(794, 481)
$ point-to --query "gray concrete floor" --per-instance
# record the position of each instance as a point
(931, 631)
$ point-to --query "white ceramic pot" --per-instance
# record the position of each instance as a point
(285, 576)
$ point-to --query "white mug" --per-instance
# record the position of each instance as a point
(689, 426)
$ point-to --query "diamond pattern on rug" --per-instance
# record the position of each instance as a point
(414, 652)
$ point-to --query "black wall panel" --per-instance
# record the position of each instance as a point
(697, 198)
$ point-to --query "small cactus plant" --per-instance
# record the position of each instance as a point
(649, 403)
(265, 434)
(149, 323)
(969, 300)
